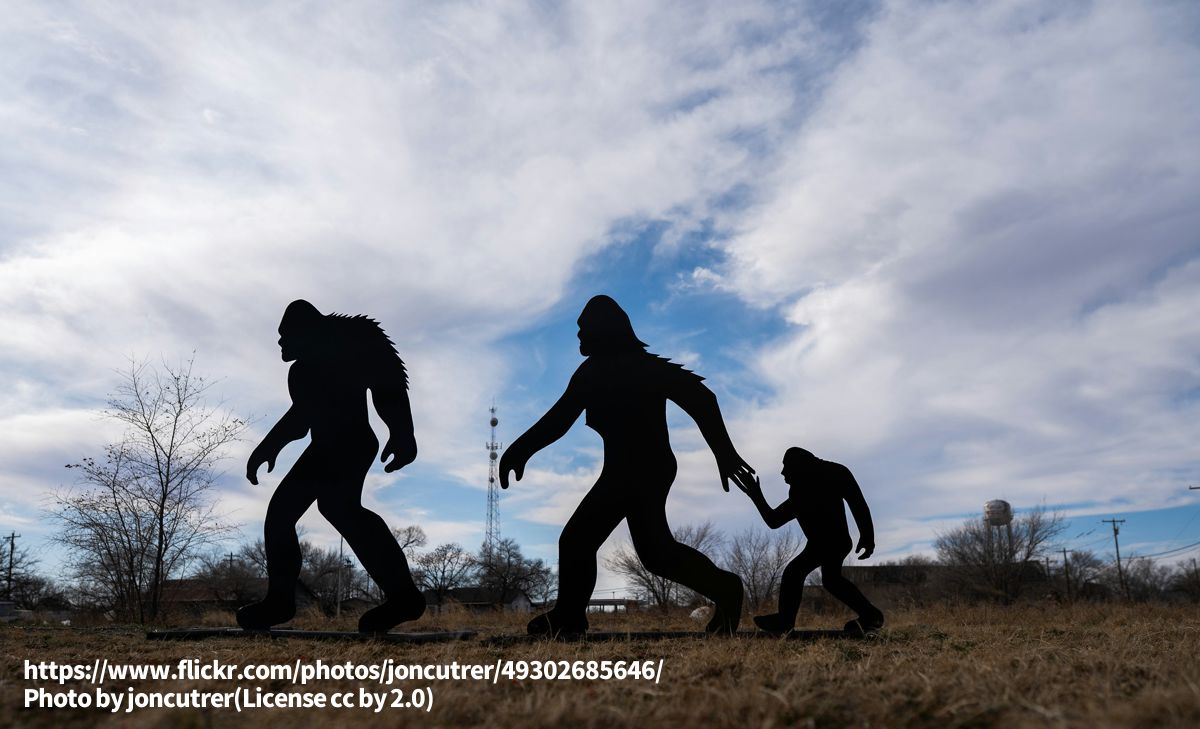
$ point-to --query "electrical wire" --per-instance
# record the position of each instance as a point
(1188, 524)
(1169, 551)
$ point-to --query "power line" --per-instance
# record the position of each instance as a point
(1090, 544)
(1193, 517)
(1182, 529)
(1171, 551)
(1188, 523)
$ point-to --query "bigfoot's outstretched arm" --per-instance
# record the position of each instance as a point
(701, 404)
(552, 426)
(776, 517)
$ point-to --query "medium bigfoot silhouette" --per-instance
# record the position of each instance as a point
(815, 498)
(336, 360)
(624, 391)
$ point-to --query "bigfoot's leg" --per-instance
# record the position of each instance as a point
(870, 618)
(291, 499)
(662, 555)
(594, 519)
(791, 588)
(380, 555)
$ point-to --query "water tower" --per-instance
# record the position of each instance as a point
(997, 515)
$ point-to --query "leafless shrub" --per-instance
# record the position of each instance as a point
(143, 511)
(997, 562)
(759, 557)
(657, 590)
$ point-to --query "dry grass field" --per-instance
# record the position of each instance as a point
(1052, 666)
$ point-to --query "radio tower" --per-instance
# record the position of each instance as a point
(492, 535)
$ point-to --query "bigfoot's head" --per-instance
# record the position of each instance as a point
(797, 463)
(300, 331)
(604, 328)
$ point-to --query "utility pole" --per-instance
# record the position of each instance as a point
(337, 600)
(1067, 573)
(1117, 545)
(12, 548)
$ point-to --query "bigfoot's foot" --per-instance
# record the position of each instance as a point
(555, 625)
(382, 618)
(262, 615)
(728, 610)
(774, 623)
(867, 624)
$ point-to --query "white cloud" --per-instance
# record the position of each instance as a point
(441, 168)
(979, 231)
(984, 239)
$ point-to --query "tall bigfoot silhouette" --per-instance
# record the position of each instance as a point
(336, 360)
(817, 491)
(624, 391)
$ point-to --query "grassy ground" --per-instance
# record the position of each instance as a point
(1093, 666)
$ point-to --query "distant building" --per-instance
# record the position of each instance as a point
(9, 612)
(613, 605)
(195, 596)
(897, 585)
(357, 605)
(479, 599)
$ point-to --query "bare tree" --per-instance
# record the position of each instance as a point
(15, 566)
(231, 576)
(21, 582)
(141, 513)
(658, 590)
(997, 562)
(444, 568)
(1083, 571)
(255, 555)
(1144, 579)
(1186, 580)
(503, 571)
(759, 556)
(411, 537)
(331, 575)
(240, 575)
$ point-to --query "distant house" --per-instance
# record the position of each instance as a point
(613, 605)
(895, 574)
(895, 585)
(479, 599)
(194, 596)
(886, 585)
(9, 612)
(357, 605)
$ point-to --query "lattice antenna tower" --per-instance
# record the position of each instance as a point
(491, 535)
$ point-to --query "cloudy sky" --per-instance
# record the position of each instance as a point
(952, 245)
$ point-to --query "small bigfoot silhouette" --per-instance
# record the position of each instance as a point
(817, 490)
(336, 359)
(624, 391)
